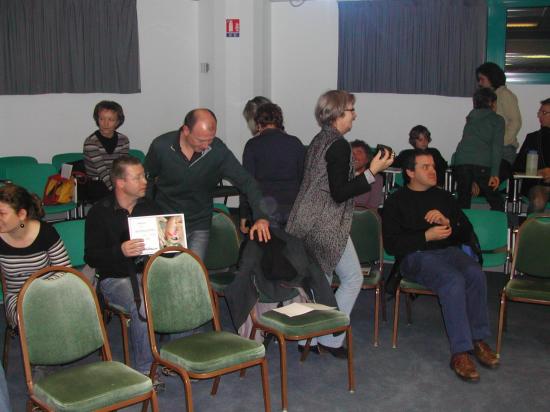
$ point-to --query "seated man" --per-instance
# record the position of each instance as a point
(110, 251)
(424, 228)
(539, 141)
(361, 160)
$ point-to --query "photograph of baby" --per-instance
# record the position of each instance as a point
(158, 231)
(171, 231)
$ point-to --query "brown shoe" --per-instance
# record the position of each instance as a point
(485, 355)
(464, 367)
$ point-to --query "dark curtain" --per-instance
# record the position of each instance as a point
(411, 46)
(68, 46)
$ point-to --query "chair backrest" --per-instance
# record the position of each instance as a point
(223, 244)
(532, 249)
(32, 177)
(59, 317)
(72, 234)
(59, 159)
(366, 234)
(10, 161)
(177, 293)
(137, 153)
(491, 228)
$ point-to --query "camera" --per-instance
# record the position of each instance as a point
(383, 148)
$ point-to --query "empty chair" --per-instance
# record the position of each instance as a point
(10, 161)
(60, 158)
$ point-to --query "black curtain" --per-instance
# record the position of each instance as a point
(68, 46)
(411, 46)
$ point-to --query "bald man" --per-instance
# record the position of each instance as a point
(184, 167)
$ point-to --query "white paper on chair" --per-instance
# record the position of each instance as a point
(297, 309)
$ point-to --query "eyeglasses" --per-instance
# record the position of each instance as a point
(350, 110)
(543, 112)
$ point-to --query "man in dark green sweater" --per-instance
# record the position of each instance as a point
(183, 168)
(424, 228)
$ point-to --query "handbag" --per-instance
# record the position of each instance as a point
(58, 190)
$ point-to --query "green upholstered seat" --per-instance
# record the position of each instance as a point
(211, 351)
(10, 161)
(409, 284)
(306, 324)
(220, 280)
(530, 276)
(178, 298)
(60, 322)
(137, 153)
(92, 386)
(60, 158)
(72, 234)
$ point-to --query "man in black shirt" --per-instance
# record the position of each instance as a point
(424, 228)
(110, 251)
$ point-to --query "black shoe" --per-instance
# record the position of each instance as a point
(340, 353)
(312, 349)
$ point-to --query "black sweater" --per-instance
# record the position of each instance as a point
(404, 225)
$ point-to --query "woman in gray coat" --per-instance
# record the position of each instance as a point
(323, 209)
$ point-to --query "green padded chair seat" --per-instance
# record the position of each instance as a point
(210, 351)
(368, 280)
(220, 280)
(409, 284)
(66, 207)
(92, 386)
(305, 324)
(528, 288)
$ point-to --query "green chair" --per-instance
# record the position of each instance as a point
(530, 275)
(366, 234)
(222, 254)
(137, 153)
(178, 298)
(10, 161)
(59, 159)
(307, 326)
(60, 322)
(72, 234)
(491, 228)
(33, 177)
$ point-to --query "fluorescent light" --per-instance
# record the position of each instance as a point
(525, 25)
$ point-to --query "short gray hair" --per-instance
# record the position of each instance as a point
(332, 105)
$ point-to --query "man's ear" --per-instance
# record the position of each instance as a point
(410, 173)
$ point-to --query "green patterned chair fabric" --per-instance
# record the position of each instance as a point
(60, 322)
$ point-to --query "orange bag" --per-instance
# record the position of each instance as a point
(58, 190)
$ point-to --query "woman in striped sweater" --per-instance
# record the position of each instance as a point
(26, 243)
(103, 146)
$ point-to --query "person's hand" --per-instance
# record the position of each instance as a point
(243, 228)
(475, 189)
(494, 181)
(132, 248)
(545, 173)
(261, 226)
(380, 163)
(435, 216)
(438, 233)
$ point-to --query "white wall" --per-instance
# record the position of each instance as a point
(43, 125)
(304, 65)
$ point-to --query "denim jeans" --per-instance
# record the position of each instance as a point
(4, 396)
(197, 241)
(348, 270)
(461, 287)
(119, 292)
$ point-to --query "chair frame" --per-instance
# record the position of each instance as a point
(282, 338)
(504, 298)
(185, 375)
(124, 319)
(105, 349)
(10, 332)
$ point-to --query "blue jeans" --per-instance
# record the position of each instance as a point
(461, 286)
(197, 241)
(119, 292)
(4, 396)
(348, 270)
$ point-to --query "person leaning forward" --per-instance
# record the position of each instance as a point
(184, 167)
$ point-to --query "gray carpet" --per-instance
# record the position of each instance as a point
(413, 377)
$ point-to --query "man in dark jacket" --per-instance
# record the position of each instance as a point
(184, 167)
(424, 227)
(539, 141)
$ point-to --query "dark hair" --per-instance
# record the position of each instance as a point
(493, 72)
(484, 98)
(363, 145)
(415, 133)
(545, 101)
(332, 105)
(109, 105)
(191, 118)
(118, 169)
(269, 114)
(409, 162)
(19, 198)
